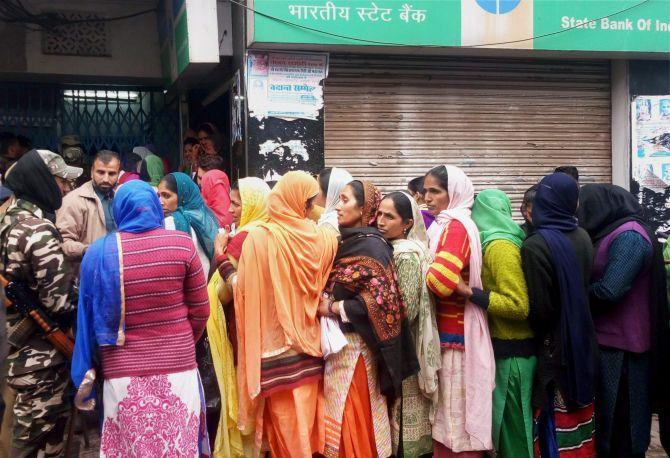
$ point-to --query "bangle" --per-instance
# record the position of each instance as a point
(226, 269)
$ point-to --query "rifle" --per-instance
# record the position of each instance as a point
(24, 301)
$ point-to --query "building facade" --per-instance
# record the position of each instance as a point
(506, 89)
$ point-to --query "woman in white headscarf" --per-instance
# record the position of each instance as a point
(463, 421)
(400, 221)
(331, 182)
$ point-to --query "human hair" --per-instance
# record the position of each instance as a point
(7, 139)
(402, 205)
(324, 179)
(440, 172)
(106, 156)
(359, 192)
(130, 162)
(170, 183)
(568, 170)
(190, 141)
(24, 142)
(416, 185)
(207, 127)
(208, 162)
(235, 186)
(528, 197)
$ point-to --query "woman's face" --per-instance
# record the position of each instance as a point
(235, 206)
(389, 222)
(207, 142)
(169, 200)
(528, 212)
(436, 197)
(349, 214)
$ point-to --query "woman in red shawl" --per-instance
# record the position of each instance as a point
(216, 193)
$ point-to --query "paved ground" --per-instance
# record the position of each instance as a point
(655, 449)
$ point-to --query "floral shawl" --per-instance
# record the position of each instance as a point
(364, 268)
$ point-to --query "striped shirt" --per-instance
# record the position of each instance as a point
(452, 259)
(166, 305)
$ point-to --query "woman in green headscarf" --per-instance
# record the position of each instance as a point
(151, 169)
(505, 297)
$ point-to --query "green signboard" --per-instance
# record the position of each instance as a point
(579, 25)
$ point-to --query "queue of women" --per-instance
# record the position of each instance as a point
(338, 324)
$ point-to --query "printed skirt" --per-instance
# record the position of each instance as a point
(154, 416)
(563, 432)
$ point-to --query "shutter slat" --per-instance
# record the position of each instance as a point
(506, 122)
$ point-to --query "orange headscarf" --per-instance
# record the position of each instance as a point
(283, 269)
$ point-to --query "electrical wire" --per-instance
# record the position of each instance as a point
(116, 18)
(387, 43)
(14, 11)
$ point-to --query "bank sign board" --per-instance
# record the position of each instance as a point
(572, 25)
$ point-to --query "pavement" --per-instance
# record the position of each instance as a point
(93, 450)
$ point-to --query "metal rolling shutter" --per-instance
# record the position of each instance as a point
(506, 122)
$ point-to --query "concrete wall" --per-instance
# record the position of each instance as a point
(620, 124)
(133, 45)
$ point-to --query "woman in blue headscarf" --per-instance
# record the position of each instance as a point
(142, 306)
(186, 211)
(557, 261)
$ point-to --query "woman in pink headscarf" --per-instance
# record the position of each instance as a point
(463, 417)
(216, 193)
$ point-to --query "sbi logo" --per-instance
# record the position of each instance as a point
(498, 6)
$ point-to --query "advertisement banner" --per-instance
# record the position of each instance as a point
(573, 25)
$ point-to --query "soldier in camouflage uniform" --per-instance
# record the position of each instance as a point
(30, 248)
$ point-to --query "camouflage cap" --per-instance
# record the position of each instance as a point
(57, 165)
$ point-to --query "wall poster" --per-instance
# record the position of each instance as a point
(285, 85)
(650, 165)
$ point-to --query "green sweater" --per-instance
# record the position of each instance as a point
(505, 297)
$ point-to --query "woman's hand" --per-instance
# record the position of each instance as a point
(221, 243)
(463, 289)
(325, 305)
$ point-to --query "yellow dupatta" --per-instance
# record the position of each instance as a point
(228, 441)
(254, 195)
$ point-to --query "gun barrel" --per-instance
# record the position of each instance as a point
(51, 331)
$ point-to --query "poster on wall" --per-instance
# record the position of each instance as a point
(285, 85)
(650, 165)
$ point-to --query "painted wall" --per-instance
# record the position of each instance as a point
(133, 45)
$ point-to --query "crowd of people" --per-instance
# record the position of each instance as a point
(322, 318)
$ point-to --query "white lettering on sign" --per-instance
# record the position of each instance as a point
(407, 13)
(620, 25)
(326, 13)
(569, 22)
(373, 13)
(608, 24)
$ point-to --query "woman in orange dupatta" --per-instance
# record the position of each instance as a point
(283, 268)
